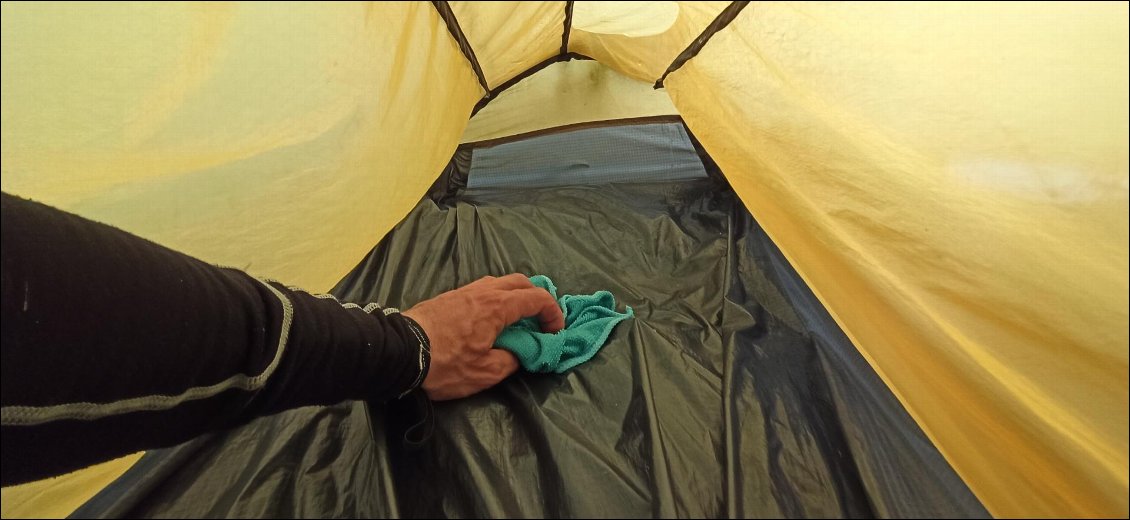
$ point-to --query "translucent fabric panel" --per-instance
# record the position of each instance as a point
(634, 19)
(284, 139)
(951, 180)
(565, 93)
(510, 37)
(647, 57)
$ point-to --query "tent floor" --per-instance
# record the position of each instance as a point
(732, 392)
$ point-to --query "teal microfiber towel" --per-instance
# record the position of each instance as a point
(589, 319)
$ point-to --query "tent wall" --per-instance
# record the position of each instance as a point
(951, 180)
(58, 497)
(239, 133)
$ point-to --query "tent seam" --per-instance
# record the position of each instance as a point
(720, 22)
(568, 28)
(569, 56)
(452, 23)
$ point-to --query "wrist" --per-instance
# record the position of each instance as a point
(424, 353)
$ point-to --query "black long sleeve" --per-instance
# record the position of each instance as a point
(113, 344)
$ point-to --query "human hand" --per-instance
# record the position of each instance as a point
(462, 325)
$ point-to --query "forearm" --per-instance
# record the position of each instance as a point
(113, 344)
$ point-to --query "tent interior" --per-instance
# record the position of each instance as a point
(877, 252)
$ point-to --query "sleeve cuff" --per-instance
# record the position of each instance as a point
(424, 357)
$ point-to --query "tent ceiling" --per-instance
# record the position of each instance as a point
(631, 19)
(566, 93)
(496, 29)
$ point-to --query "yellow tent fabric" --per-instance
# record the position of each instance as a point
(950, 179)
(563, 94)
(59, 497)
(496, 29)
(186, 123)
(646, 57)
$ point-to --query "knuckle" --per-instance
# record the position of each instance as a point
(518, 278)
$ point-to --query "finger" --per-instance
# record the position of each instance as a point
(502, 362)
(513, 281)
(534, 301)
